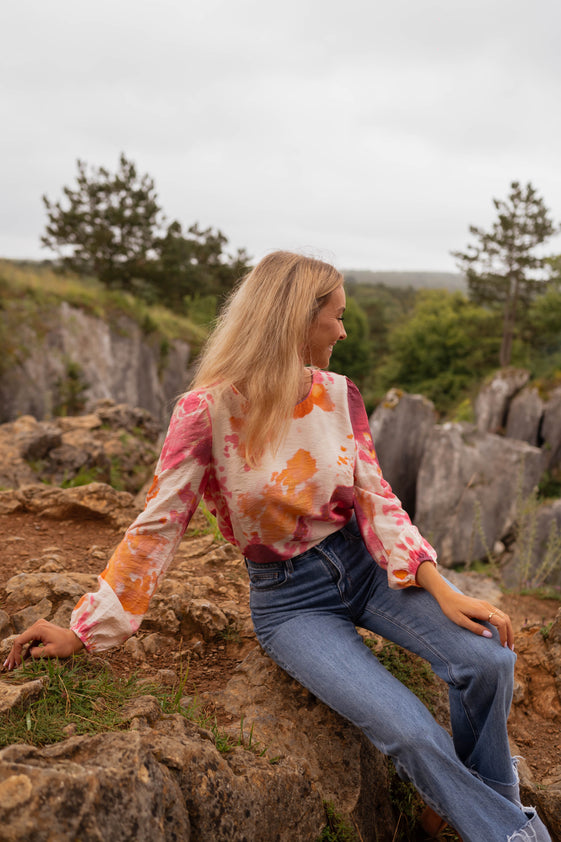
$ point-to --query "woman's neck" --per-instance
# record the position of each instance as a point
(306, 384)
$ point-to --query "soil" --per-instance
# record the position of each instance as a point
(84, 546)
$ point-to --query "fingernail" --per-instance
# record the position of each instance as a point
(487, 633)
(5, 664)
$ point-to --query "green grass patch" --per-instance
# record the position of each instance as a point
(28, 290)
(81, 691)
(337, 828)
(411, 670)
(85, 693)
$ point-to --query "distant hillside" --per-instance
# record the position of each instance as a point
(418, 280)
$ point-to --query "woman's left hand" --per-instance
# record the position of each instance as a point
(465, 610)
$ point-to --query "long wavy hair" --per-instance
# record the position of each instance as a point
(259, 344)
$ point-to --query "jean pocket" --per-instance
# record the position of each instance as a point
(266, 577)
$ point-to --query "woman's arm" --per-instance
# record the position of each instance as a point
(114, 612)
(464, 610)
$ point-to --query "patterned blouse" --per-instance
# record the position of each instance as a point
(325, 469)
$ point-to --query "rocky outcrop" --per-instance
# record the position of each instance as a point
(344, 766)
(551, 430)
(96, 500)
(114, 443)
(524, 416)
(162, 782)
(537, 551)
(468, 487)
(538, 698)
(492, 402)
(400, 426)
(71, 354)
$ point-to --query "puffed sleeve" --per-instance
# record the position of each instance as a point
(113, 613)
(387, 531)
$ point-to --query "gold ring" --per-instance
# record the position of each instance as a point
(491, 615)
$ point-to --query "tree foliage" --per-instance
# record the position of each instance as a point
(443, 348)
(108, 225)
(503, 267)
(353, 357)
(111, 226)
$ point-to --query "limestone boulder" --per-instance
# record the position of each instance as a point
(400, 426)
(551, 431)
(113, 359)
(524, 416)
(34, 439)
(538, 697)
(96, 500)
(468, 489)
(537, 552)
(285, 721)
(116, 444)
(492, 403)
(164, 781)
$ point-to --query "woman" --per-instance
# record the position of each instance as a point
(282, 453)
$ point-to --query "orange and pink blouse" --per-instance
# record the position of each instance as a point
(324, 471)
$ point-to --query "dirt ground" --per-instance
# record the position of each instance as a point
(84, 546)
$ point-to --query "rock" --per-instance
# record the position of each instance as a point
(539, 668)
(14, 470)
(524, 416)
(19, 694)
(344, 766)
(27, 588)
(537, 552)
(35, 439)
(551, 430)
(163, 783)
(475, 584)
(548, 803)
(135, 648)
(105, 787)
(468, 487)
(5, 624)
(87, 501)
(121, 416)
(208, 617)
(21, 620)
(65, 451)
(115, 359)
(400, 426)
(153, 643)
(492, 403)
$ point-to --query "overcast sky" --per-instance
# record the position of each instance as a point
(371, 134)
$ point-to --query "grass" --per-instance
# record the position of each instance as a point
(84, 693)
(33, 288)
(81, 692)
(337, 828)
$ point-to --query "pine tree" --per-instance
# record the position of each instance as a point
(108, 225)
(503, 268)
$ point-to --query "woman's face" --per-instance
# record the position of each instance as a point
(326, 329)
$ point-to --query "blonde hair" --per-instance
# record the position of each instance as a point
(259, 343)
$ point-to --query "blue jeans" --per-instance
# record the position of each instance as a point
(305, 612)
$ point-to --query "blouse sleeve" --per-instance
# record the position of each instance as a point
(387, 531)
(112, 614)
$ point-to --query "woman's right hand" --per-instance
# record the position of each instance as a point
(56, 643)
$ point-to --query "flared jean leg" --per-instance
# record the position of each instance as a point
(479, 672)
